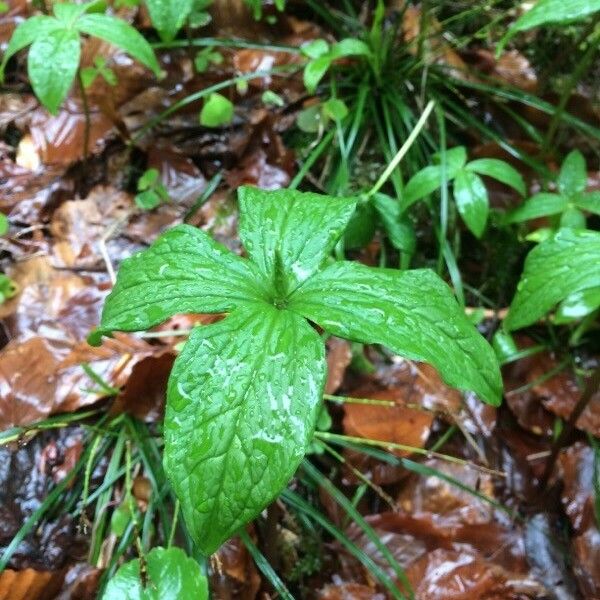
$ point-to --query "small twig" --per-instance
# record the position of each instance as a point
(590, 389)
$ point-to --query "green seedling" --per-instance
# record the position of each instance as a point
(217, 111)
(151, 191)
(567, 205)
(470, 193)
(55, 42)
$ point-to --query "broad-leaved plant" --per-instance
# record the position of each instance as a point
(567, 205)
(55, 43)
(245, 392)
(470, 193)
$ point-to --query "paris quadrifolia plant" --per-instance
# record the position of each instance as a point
(245, 392)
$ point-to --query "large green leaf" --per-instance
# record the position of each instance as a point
(551, 11)
(52, 65)
(566, 263)
(540, 205)
(168, 16)
(121, 34)
(289, 231)
(411, 312)
(243, 399)
(183, 271)
(471, 200)
(169, 574)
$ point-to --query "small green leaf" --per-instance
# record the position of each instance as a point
(573, 217)
(26, 33)
(551, 11)
(121, 517)
(362, 226)
(335, 109)
(399, 229)
(148, 179)
(169, 575)
(540, 205)
(184, 271)
(217, 111)
(315, 48)
(423, 183)
(310, 120)
(243, 400)
(270, 97)
(148, 199)
(349, 47)
(120, 34)
(562, 265)
(455, 160)
(4, 224)
(8, 288)
(168, 16)
(499, 170)
(504, 346)
(411, 312)
(314, 72)
(589, 202)
(302, 227)
(578, 305)
(52, 64)
(572, 178)
(4, 7)
(472, 201)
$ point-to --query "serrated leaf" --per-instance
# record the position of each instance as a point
(168, 16)
(572, 178)
(471, 199)
(589, 202)
(551, 11)
(562, 265)
(411, 312)
(169, 573)
(26, 33)
(121, 34)
(243, 400)
(217, 111)
(314, 72)
(184, 271)
(52, 64)
(500, 171)
(578, 305)
(300, 228)
(540, 205)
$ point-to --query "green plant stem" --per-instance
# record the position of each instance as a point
(403, 150)
(225, 43)
(334, 437)
(581, 69)
(86, 110)
(350, 400)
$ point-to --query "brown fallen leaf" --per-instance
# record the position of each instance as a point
(349, 591)
(235, 575)
(578, 499)
(30, 584)
(339, 357)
